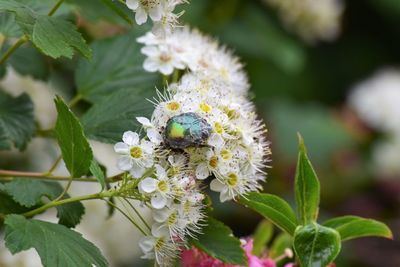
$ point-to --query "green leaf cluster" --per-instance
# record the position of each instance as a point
(315, 244)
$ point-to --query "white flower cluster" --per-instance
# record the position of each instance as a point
(161, 12)
(212, 95)
(376, 102)
(312, 20)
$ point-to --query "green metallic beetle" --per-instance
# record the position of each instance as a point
(186, 130)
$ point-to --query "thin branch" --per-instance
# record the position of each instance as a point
(55, 7)
(137, 213)
(8, 175)
(126, 216)
(55, 164)
(52, 204)
(12, 49)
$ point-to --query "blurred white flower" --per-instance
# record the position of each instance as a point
(386, 157)
(376, 100)
(312, 20)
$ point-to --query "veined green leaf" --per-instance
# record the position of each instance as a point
(217, 241)
(75, 149)
(117, 64)
(108, 119)
(273, 208)
(350, 227)
(56, 37)
(316, 245)
(307, 187)
(17, 124)
(56, 244)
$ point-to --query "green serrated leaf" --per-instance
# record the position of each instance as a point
(29, 193)
(307, 187)
(117, 64)
(350, 227)
(262, 236)
(316, 245)
(17, 124)
(98, 173)
(217, 241)
(55, 244)
(75, 149)
(108, 119)
(56, 37)
(9, 205)
(273, 208)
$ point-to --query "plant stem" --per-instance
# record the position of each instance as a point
(52, 204)
(138, 214)
(55, 7)
(45, 132)
(75, 100)
(14, 47)
(45, 176)
(54, 166)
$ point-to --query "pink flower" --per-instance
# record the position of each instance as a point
(197, 258)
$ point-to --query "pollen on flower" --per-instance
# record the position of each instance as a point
(213, 162)
(173, 106)
(218, 128)
(205, 107)
(232, 179)
(136, 152)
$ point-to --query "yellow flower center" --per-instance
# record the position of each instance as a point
(163, 186)
(213, 162)
(232, 179)
(226, 154)
(231, 113)
(160, 243)
(218, 128)
(173, 106)
(136, 152)
(205, 107)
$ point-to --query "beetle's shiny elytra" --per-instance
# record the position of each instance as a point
(186, 130)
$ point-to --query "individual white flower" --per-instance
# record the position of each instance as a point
(159, 188)
(168, 20)
(174, 219)
(161, 58)
(144, 8)
(159, 246)
(137, 155)
(234, 184)
(152, 133)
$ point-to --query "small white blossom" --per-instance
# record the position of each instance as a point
(145, 8)
(162, 59)
(136, 154)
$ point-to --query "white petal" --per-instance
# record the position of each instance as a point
(121, 148)
(147, 243)
(160, 230)
(132, 4)
(216, 140)
(202, 171)
(147, 147)
(224, 195)
(161, 173)
(158, 201)
(130, 138)
(166, 69)
(141, 16)
(144, 121)
(151, 51)
(137, 171)
(216, 185)
(156, 13)
(154, 136)
(148, 185)
(147, 162)
(161, 215)
(150, 65)
(124, 163)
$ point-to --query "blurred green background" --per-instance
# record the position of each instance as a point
(301, 87)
